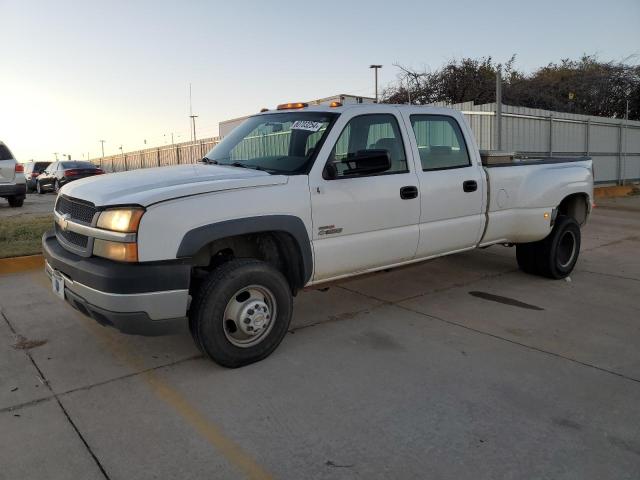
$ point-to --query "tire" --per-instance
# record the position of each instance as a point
(558, 253)
(254, 296)
(56, 186)
(526, 257)
(39, 188)
(16, 202)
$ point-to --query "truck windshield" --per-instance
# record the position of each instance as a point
(277, 143)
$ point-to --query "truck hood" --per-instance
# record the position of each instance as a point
(151, 185)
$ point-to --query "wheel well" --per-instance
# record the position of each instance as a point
(274, 247)
(576, 206)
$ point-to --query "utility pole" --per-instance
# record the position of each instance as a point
(102, 144)
(375, 68)
(192, 117)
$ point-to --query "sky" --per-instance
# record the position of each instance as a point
(75, 73)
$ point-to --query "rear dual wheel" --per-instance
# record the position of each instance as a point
(556, 255)
(241, 312)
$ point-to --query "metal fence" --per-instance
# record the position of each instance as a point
(177, 154)
(614, 144)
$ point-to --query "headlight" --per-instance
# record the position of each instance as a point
(124, 220)
(118, 251)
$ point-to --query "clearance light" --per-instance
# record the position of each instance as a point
(292, 106)
(118, 251)
(546, 214)
(262, 110)
(124, 220)
(335, 104)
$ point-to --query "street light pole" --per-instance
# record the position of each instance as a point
(192, 117)
(375, 68)
(102, 143)
(193, 126)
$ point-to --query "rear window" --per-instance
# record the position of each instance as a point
(5, 154)
(77, 165)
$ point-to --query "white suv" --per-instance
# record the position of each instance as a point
(13, 185)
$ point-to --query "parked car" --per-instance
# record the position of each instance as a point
(12, 181)
(32, 171)
(296, 198)
(60, 173)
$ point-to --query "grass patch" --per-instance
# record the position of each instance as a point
(23, 235)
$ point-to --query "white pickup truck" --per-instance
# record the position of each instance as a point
(295, 198)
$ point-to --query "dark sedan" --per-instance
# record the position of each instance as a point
(59, 174)
(32, 171)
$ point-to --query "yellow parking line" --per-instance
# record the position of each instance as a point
(211, 432)
(21, 264)
(227, 447)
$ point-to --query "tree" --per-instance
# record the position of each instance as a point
(587, 85)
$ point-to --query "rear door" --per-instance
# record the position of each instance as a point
(7, 164)
(46, 177)
(451, 182)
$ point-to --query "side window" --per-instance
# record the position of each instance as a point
(440, 142)
(368, 132)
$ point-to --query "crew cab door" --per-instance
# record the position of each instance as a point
(362, 221)
(451, 182)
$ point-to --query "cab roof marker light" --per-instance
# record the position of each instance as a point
(292, 106)
(335, 104)
(262, 110)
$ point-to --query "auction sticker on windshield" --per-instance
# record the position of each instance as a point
(306, 125)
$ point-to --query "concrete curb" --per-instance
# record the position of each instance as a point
(613, 191)
(21, 264)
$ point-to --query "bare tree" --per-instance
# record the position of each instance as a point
(587, 85)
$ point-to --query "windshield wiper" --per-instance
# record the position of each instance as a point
(244, 165)
(209, 161)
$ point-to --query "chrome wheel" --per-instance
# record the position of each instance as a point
(56, 186)
(249, 316)
(566, 248)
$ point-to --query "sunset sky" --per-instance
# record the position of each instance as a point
(72, 73)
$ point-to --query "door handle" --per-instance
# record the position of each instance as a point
(409, 192)
(469, 186)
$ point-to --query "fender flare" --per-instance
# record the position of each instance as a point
(196, 239)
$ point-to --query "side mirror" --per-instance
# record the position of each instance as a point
(363, 162)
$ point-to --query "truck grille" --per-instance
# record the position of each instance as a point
(79, 211)
(73, 238)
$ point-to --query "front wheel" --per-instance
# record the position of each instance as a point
(56, 186)
(241, 312)
(39, 188)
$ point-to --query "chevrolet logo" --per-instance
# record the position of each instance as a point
(63, 221)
